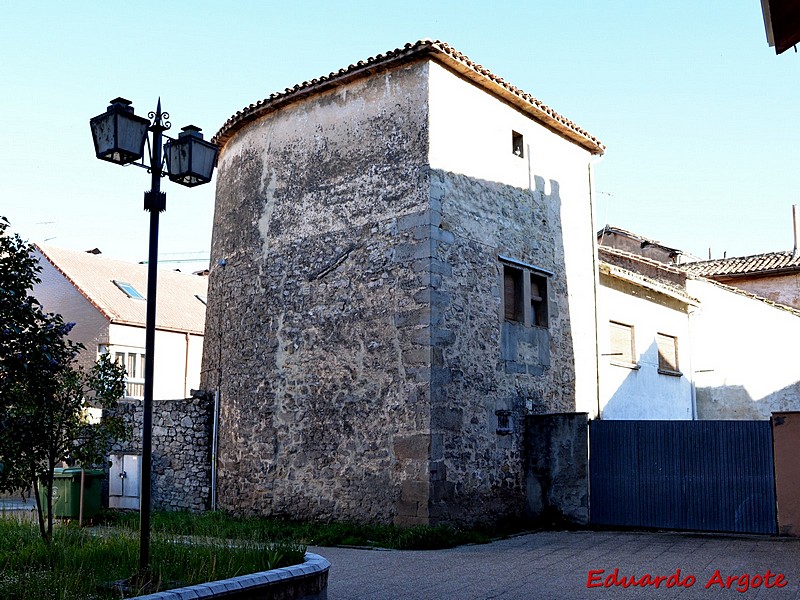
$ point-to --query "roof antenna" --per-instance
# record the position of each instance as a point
(795, 224)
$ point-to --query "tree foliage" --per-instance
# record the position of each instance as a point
(45, 397)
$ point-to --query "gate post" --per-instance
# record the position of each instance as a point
(785, 444)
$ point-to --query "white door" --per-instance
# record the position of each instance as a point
(123, 481)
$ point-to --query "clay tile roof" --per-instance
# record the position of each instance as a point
(757, 264)
(608, 253)
(436, 50)
(177, 308)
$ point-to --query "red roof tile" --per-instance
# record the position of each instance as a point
(757, 264)
(437, 50)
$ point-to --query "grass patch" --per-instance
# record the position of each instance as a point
(262, 529)
(79, 560)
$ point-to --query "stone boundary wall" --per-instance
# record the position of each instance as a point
(181, 473)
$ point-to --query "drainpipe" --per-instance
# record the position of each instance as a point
(692, 352)
(214, 431)
(222, 263)
(186, 368)
(595, 160)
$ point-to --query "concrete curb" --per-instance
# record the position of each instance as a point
(308, 581)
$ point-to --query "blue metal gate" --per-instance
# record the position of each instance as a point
(698, 475)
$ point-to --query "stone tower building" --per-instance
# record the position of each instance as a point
(409, 271)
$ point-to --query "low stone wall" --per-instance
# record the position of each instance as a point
(181, 471)
(307, 581)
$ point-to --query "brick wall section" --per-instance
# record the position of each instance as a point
(181, 468)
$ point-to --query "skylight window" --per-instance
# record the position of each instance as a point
(129, 290)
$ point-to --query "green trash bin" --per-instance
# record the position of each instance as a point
(67, 493)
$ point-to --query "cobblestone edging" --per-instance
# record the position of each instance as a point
(307, 581)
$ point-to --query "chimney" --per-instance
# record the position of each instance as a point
(795, 252)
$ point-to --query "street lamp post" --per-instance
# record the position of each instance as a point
(119, 137)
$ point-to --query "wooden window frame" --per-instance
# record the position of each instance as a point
(615, 358)
(513, 294)
(538, 298)
(526, 293)
(668, 345)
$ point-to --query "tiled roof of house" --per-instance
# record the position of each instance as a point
(612, 255)
(639, 270)
(655, 285)
(757, 264)
(177, 308)
(664, 278)
(436, 50)
(610, 229)
(608, 234)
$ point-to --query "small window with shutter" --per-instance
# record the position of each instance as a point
(622, 348)
(667, 354)
(525, 293)
(538, 300)
(513, 294)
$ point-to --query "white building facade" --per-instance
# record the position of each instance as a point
(106, 300)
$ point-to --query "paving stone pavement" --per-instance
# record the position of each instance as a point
(555, 565)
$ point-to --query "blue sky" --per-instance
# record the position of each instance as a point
(701, 119)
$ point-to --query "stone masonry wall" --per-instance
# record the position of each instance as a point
(485, 364)
(557, 474)
(318, 325)
(356, 331)
(181, 472)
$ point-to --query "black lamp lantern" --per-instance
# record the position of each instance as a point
(119, 135)
(190, 159)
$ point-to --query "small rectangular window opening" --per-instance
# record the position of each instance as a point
(128, 289)
(538, 300)
(622, 348)
(517, 145)
(667, 354)
(513, 294)
(134, 364)
(504, 426)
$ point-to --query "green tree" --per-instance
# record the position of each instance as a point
(45, 397)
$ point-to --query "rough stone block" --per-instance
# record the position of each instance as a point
(414, 491)
(417, 356)
(447, 418)
(414, 446)
(442, 491)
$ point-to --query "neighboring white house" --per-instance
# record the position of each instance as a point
(644, 340)
(772, 275)
(745, 353)
(106, 301)
(675, 345)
